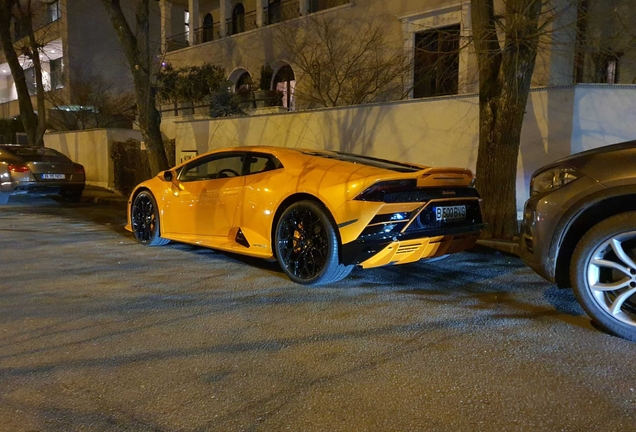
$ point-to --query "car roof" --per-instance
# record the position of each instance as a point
(282, 152)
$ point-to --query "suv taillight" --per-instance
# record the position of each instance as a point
(18, 168)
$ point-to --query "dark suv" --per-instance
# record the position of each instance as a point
(579, 230)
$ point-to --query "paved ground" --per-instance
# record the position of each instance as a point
(99, 333)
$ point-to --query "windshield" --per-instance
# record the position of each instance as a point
(365, 160)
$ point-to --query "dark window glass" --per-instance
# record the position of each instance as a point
(238, 19)
(29, 75)
(208, 28)
(214, 167)
(365, 160)
(436, 62)
(56, 74)
(273, 12)
(259, 163)
(53, 10)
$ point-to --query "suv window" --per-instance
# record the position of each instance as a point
(214, 167)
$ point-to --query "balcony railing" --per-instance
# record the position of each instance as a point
(207, 34)
(283, 11)
(177, 42)
(241, 23)
(318, 5)
(272, 14)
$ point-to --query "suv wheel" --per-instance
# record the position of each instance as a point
(603, 273)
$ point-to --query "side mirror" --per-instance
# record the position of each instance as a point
(167, 176)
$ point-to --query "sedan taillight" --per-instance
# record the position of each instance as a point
(78, 169)
(18, 168)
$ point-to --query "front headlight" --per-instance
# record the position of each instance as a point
(552, 179)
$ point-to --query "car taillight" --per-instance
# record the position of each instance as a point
(378, 190)
(18, 168)
(78, 169)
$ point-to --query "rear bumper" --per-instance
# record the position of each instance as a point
(39, 188)
(403, 249)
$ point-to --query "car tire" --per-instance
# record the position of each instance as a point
(4, 198)
(72, 195)
(306, 245)
(603, 274)
(144, 220)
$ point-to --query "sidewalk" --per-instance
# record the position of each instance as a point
(98, 195)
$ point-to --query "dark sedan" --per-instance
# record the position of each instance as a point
(39, 171)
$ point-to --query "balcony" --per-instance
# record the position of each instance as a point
(279, 12)
(207, 33)
(241, 23)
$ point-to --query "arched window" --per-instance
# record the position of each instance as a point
(208, 28)
(244, 83)
(285, 82)
(273, 12)
(238, 19)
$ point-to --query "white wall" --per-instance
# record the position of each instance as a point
(91, 148)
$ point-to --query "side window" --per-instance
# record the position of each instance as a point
(260, 163)
(213, 168)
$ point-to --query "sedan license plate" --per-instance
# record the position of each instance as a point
(450, 213)
(53, 176)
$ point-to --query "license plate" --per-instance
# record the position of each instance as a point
(450, 213)
(53, 176)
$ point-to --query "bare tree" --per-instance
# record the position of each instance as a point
(34, 125)
(343, 67)
(136, 45)
(95, 105)
(505, 74)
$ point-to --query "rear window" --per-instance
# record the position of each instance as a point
(34, 154)
(365, 160)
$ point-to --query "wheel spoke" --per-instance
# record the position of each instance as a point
(611, 286)
(610, 264)
(618, 302)
(617, 246)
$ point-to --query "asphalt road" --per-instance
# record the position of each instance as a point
(98, 333)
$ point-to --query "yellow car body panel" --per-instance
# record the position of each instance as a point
(228, 213)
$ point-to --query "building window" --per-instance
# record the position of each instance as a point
(238, 19)
(57, 80)
(53, 11)
(208, 28)
(436, 62)
(186, 25)
(608, 68)
(273, 12)
(285, 83)
(29, 75)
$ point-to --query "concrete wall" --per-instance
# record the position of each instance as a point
(438, 131)
(91, 148)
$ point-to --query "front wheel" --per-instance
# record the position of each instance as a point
(603, 273)
(144, 218)
(306, 245)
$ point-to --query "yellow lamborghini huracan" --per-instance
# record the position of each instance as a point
(319, 213)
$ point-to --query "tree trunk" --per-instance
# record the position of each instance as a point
(37, 67)
(27, 115)
(139, 55)
(504, 84)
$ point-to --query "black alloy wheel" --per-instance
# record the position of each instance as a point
(144, 218)
(306, 245)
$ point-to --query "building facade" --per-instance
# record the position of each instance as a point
(79, 46)
(583, 41)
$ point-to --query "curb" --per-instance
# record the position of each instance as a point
(507, 247)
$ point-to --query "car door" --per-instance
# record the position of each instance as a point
(205, 198)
